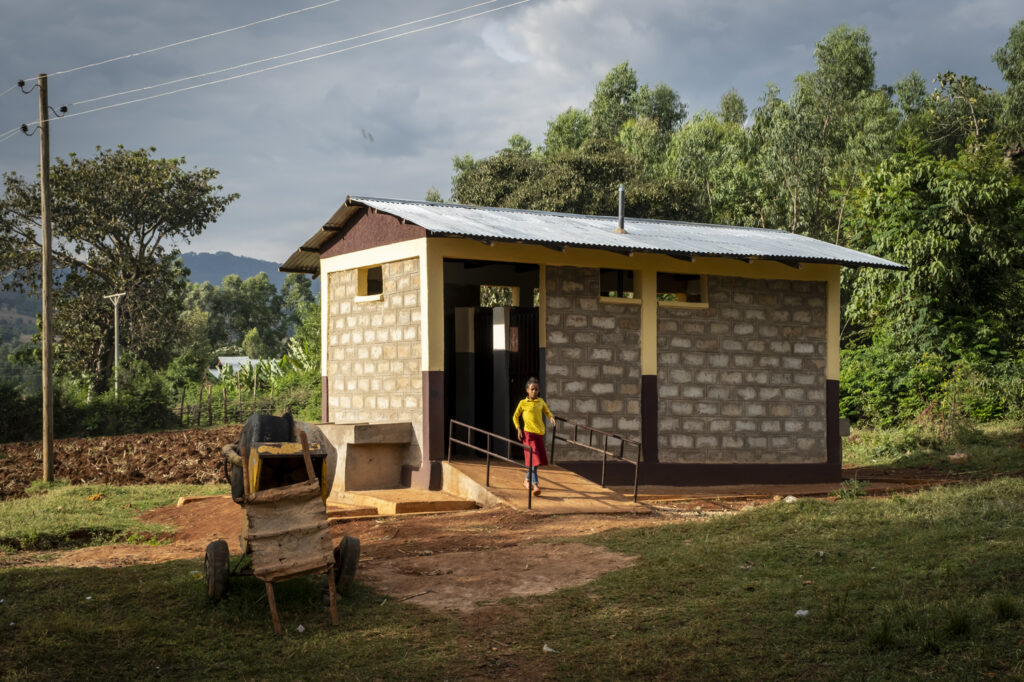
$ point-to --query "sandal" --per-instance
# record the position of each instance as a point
(536, 490)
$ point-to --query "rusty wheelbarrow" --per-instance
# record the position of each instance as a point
(285, 533)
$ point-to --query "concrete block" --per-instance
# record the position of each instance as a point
(794, 426)
(692, 392)
(707, 442)
(680, 407)
(694, 425)
(729, 409)
(719, 393)
(720, 425)
(753, 409)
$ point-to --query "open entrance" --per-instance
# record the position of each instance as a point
(491, 341)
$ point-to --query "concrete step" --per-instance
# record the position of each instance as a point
(399, 501)
(347, 511)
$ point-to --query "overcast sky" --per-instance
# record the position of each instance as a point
(385, 119)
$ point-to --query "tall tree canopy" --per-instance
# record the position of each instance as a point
(115, 219)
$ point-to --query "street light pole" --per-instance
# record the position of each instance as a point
(116, 300)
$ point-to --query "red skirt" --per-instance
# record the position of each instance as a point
(540, 453)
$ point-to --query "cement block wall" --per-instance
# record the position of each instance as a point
(374, 355)
(592, 358)
(744, 380)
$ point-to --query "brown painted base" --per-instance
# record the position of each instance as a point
(428, 475)
(649, 416)
(833, 441)
(668, 473)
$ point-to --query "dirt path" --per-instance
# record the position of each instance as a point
(461, 561)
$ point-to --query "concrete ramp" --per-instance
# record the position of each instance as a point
(562, 491)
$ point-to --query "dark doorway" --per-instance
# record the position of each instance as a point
(524, 353)
(483, 384)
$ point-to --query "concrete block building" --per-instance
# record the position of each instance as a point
(717, 347)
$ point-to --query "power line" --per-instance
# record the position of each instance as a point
(291, 63)
(192, 40)
(281, 56)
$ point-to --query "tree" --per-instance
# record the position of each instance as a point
(584, 181)
(296, 291)
(962, 112)
(957, 224)
(732, 108)
(568, 131)
(114, 218)
(618, 98)
(710, 154)
(836, 125)
(237, 306)
(1010, 60)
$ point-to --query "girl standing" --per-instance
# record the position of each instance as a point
(532, 409)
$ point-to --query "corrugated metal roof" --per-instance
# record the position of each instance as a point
(566, 229)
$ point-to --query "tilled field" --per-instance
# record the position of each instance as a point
(190, 456)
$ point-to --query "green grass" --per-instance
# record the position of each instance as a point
(920, 585)
(60, 515)
(992, 449)
(145, 622)
(911, 586)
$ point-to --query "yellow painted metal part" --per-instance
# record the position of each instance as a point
(293, 449)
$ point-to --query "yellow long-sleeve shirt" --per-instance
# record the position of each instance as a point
(533, 411)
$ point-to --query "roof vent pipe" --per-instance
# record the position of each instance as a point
(621, 229)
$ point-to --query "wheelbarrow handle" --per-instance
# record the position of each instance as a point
(305, 455)
(246, 486)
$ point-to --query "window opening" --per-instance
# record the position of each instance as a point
(371, 282)
(617, 283)
(681, 288)
(494, 296)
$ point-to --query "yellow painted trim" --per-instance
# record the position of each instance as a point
(833, 326)
(432, 307)
(616, 299)
(542, 305)
(648, 280)
(369, 298)
(361, 282)
(325, 324)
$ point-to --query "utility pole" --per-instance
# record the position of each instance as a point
(44, 196)
(47, 276)
(116, 300)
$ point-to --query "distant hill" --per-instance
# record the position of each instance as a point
(214, 267)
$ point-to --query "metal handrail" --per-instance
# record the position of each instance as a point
(470, 429)
(605, 452)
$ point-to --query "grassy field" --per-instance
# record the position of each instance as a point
(922, 585)
(991, 449)
(62, 515)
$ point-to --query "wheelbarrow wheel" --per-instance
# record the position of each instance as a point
(216, 569)
(346, 559)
